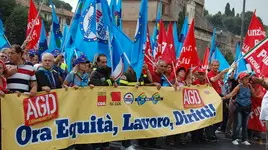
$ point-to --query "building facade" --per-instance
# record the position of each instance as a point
(64, 15)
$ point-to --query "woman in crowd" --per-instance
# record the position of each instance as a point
(78, 77)
(243, 92)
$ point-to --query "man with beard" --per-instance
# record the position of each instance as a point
(102, 77)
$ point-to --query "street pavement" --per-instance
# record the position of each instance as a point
(222, 144)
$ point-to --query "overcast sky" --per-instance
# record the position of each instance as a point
(213, 6)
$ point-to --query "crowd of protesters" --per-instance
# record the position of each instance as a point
(29, 73)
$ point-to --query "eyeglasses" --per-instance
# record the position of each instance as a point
(201, 74)
(103, 62)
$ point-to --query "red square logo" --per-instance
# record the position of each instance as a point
(116, 96)
(101, 99)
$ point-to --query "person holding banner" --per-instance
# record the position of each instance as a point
(78, 77)
(243, 92)
(216, 79)
(264, 106)
(24, 80)
(47, 78)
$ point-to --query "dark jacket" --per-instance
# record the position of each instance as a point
(130, 79)
(101, 77)
(43, 80)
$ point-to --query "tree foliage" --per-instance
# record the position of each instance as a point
(16, 25)
(228, 11)
(57, 3)
(229, 22)
(6, 8)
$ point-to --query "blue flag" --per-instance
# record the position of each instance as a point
(154, 38)
(65, 32)
(56, 35)
(212, 45)
(92, 35)
(220, 57)
(3, 41)
(241, 63)
(137, 54)
(118, 59)
(118, 14)
(182, 36)
(42, 45)
(68, 46)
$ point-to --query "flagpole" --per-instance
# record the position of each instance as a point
(7, 40)
(31, 31)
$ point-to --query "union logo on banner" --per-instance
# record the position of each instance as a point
(92, 30)
(192, 99)
(40, 108)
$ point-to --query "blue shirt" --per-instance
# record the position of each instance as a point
(243, 97)
(77, 79)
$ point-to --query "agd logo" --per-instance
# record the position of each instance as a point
(40, 108)
(192, 98)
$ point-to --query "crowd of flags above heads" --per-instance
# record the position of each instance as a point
(96, 28)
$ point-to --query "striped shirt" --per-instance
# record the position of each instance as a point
(21, 80)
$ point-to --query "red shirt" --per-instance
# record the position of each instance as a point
(217, 84)
(156, 77)
(196, 82)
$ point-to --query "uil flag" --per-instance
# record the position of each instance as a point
(92, 35)
(55, 35)
(220, 57)
(33, 27)
(148, 58)
(43, 40)
(255, 34)
(205, 63)
(189, 56)
(137, 55)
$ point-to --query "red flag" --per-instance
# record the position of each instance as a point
(258, 58)
(162, 46)
(148, 59)
(33, 27)
(254, 121)
(205, 59)
(255, 34)
(169, 54)
(189, 56)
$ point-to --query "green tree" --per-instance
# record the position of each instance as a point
(227, 11)
(16, 25)
(6, 8)
(233, 12)
(205, 12)
(57, 3)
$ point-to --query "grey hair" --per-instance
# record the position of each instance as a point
(46, 55)
(215, 61)
(160, 61)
